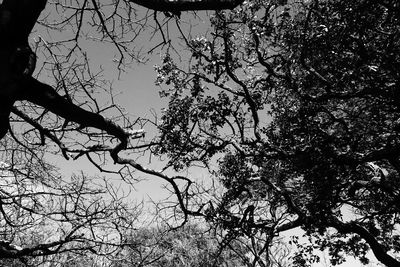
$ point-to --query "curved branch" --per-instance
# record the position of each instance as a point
(247, 95)
(379, 251)
(171, 180)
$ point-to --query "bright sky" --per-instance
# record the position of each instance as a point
(139, 96)
(135, 91)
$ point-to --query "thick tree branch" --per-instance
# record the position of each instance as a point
(379, 251)
(17, 19)
(188, 5)
(10, 251)
(46, 97)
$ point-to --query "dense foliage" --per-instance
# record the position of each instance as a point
(298, 103)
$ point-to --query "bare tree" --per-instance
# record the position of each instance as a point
(44, 213)
(194, 245)
(63, 116)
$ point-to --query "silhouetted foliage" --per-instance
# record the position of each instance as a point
(298, 103)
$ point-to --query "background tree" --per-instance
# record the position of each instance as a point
(191, 245)
(44, 213)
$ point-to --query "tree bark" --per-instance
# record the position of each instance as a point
(17, 19)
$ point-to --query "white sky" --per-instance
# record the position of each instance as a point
(138, 96)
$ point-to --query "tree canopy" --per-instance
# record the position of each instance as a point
(298, 103)
(291, 106)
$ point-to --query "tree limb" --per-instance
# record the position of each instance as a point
(379, 251)
(45, 96)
